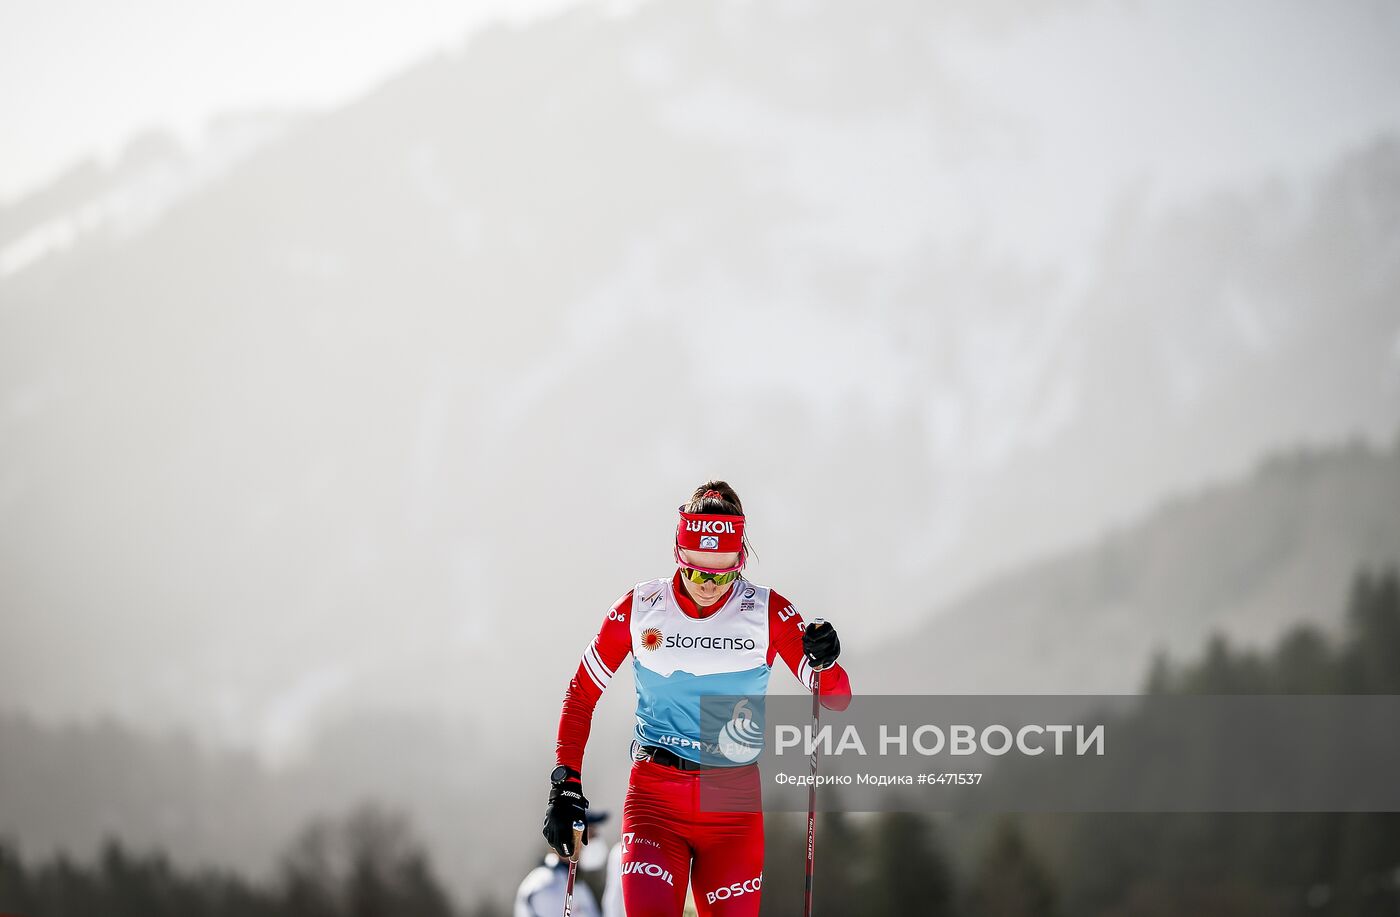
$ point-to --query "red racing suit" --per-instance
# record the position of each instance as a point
(680, 651)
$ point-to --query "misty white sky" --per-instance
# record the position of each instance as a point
(1206, 93)
(82, 76)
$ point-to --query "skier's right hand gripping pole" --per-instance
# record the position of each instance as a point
(567, 807)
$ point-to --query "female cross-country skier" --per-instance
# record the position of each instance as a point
(703, 631)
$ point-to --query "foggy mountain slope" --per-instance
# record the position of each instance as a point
(94, 204)
(1248, 558)
(396, 407)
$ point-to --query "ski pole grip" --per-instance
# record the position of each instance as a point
(818, 622)
(578, 840)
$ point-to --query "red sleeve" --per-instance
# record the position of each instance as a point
(785, 628)
(595, 670)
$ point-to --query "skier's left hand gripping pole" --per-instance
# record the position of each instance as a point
(573, 870)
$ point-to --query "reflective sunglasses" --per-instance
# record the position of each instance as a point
(700, 576)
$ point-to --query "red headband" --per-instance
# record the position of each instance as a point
(710, 532)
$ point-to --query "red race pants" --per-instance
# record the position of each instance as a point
(671, 833)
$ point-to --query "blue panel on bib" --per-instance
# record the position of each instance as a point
(668, 706)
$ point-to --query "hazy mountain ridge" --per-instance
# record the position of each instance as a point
(92, 203)
(1247, 559)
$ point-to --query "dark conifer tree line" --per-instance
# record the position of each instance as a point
(366, 864)
(1135, 865)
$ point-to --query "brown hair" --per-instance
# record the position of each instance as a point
(717, 498)
(722, 502)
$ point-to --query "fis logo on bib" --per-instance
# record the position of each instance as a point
(709, 542)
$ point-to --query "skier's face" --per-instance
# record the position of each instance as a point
(705, 594)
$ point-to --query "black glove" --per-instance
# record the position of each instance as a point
(566, 806)
(820, 645)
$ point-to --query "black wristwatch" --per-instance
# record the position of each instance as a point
(561, 773)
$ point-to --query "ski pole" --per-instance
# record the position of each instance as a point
(573, 870)
(812, 787)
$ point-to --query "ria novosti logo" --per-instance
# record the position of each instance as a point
(741, 739)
